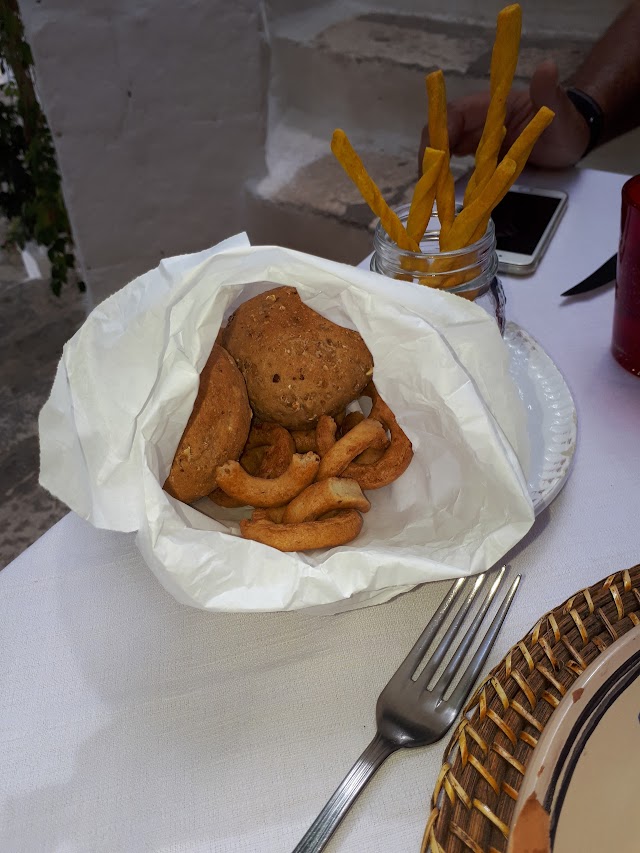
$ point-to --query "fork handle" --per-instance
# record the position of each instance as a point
(316, 837)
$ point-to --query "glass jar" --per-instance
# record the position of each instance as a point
(470, 272)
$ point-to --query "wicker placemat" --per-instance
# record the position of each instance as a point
(485, 761)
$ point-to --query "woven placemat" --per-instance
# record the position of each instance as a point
(485, 761)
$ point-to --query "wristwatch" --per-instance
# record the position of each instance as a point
(591, 112)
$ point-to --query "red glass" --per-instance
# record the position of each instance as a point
(626, 319)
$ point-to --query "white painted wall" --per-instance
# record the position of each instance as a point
(158, 112)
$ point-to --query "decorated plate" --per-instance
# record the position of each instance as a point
(580, 791)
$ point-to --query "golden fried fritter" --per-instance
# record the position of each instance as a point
(297, 364)
(216, 431)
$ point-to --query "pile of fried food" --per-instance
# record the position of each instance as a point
(270, 429)
(489, 182)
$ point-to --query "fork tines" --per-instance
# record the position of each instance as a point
(466, 591)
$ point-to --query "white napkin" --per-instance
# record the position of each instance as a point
(127, 381)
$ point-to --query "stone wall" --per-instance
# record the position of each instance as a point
(544, 17)
(158, 109)
(158, 112)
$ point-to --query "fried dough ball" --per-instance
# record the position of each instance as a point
(297, 364)
(216, 431)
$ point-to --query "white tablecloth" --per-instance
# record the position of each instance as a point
(131, 723)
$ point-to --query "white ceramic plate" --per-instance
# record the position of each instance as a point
(551, 415)
(582, 781)
(552, 428)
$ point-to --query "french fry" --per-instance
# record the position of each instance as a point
(424, 194)
(353, 166)
(504, 59)
(478, 211)
(471, 223)
(521, 149)
(520, 152)
(439, 138)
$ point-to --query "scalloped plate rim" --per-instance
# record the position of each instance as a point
(542, 488)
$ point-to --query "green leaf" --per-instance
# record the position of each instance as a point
(30, 186)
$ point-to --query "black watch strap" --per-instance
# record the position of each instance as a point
(591, 112)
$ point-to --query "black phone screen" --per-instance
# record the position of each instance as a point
(521, 219)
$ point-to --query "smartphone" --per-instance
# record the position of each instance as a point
(525, 221)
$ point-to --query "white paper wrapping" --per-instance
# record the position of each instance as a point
(125, 387)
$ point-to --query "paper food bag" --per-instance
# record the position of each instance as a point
(126, 384)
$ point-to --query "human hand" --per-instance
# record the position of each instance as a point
(562, 144)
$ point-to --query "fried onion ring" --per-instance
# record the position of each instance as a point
(273, 513)
(351, 420)
(396, 458)
(252, 459)
(256, 462)
(323, 497)
(344, 451)
(341, 528)
(260, 492)
(304, 440)
(325, 434)
(267, 434)
(371, 454)
(220, 498)
(279, 449)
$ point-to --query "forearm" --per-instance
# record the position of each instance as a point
(611, 74)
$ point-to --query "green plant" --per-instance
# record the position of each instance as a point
(30, 190)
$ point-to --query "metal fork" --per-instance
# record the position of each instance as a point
(408, 714)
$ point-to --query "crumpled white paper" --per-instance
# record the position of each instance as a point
(125, 387)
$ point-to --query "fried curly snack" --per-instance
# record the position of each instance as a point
(396, 458)
(352, 419)
(371, 454)
(345, 450)
(272, 513)
(279, 449)
(252, 459)
(304, 440)
(268, 453)
(320, 498)
(353, 166)
(325, 434)
(328, 532)
(221, 498)
(327, 430)
(260, 492)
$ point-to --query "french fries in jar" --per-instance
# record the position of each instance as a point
(433, 241)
